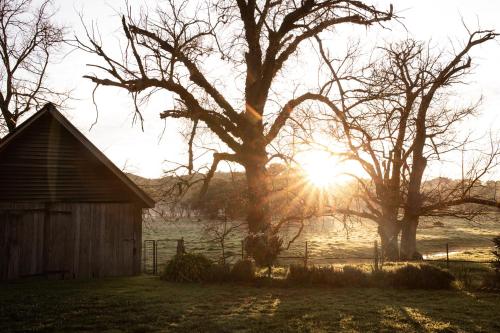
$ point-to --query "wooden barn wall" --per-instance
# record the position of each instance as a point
(46, 163)
(84, 240)
(21, 240)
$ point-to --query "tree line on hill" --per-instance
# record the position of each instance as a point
(227, 196)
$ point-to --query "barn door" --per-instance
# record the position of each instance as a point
(21, 241)
(59, 238)
(9, 246)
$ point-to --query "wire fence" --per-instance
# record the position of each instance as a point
(157, 253)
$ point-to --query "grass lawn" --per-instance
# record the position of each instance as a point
(146, 304)
(327, 237)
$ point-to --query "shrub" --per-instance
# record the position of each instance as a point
(327, 276)
(464, 276)
(263, 248)
(409, 276)
(348, 276)
(491, 280)
(219, 273)
(421, 277)
(354, 277)
(299, 274)
(243, 270)
(381, 278)
(187, 268)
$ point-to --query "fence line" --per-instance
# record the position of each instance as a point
(150, 251)
(461, 261)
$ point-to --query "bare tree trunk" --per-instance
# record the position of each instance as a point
(258, 216)
(263, 243)
(389, 227)
(388, 232)
(414, 201)
(409, 240)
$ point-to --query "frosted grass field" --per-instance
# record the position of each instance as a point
(328, 237)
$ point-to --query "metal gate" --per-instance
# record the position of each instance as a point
(156, 253)
(149, 262)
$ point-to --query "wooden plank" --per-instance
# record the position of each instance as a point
(93, 240)
(127, 240)
(3, 246)
(128, 236)
(82, 243)
(85, 251)
(137, 221)
(24, 237)
(76, 242)
(40, 221)
(50, 161)
(19, 240)
(96, 239)
(121, 240)
(116, 237)
(12, 247)
(100, 262)
(59, 245)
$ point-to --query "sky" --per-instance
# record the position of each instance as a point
(145, 152)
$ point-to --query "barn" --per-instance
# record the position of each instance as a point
(65, 209)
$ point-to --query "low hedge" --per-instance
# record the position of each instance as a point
(198, 268)
(408, 276)
(421, 277)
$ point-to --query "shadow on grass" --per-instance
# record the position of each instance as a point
(145, 304)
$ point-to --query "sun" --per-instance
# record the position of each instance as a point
(320, 168)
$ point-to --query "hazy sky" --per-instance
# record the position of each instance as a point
(144, 152)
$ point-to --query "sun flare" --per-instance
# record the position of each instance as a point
(320, 168)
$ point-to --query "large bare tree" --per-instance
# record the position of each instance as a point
(28, 40)
(397, 119)
(169, 50)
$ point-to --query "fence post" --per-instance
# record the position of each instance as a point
(375, 255)
(180, 246)
(306, 254)
(447, 256)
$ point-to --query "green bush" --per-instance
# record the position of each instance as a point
(187, 268)
(421, 277)
(243, 270)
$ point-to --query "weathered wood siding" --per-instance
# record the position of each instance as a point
(46, 163)
(83, 239)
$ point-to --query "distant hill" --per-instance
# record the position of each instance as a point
(227, 192)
